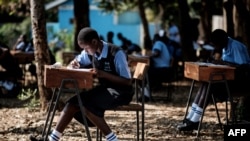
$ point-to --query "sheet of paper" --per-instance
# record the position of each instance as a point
(81, 69)
(211, 64)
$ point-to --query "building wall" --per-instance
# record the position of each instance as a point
(104, 23)
(127, 23)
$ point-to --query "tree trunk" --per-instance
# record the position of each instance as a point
(229, 17)
(186, 31)
(81, 13)
(242, 30)
(147, 40)
(206, 18)
(243, 21)
(41, 53)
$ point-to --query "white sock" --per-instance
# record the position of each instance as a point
(55, 136)
(197, 114)
(146, 92)
(111, 137)
(192, 110)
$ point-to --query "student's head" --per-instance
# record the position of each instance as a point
(219, 38)
(23, 36)
(110, 34)
(88, 39)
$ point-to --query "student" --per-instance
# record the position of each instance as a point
(132, 48)
(21, 43)
(160, 63)
(10, 74)
(227, 51)
(110, 36)
(114, 89)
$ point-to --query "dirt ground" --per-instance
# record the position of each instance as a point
(17, 121)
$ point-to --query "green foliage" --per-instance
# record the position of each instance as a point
(5, 2)
(26, 93)
(29, 95)
(170, 7)
(9, 32)
(118, 6)
(64, 41)
(66, 37)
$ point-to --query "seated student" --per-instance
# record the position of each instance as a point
(160, 63)
(115, 88)
(110, 36)
(227, 51)
(123, 40)
(132, 48)
(21, 43)
(9, 74)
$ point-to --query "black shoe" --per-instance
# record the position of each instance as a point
(184, 121)
(146, 99)
(32, 138)
(188, 126)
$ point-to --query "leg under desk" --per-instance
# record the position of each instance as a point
(53, 105)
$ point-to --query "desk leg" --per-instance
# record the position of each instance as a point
(49, 118)
(83, 115)
(49, 112)
(189, 98)
(148, 86)
(204, 106)
(81, 106)
(217, 112)
(53, 113)
(231, 102)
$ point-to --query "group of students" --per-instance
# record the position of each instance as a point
(126, 44)
(115, 80)
(11, 72)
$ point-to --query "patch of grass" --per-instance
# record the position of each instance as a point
(29, 97)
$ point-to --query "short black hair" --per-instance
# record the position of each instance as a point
(218, 36)
(87, 34)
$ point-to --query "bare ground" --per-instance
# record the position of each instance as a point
(17, 121)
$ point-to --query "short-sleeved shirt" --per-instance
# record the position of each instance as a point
(235, 52)
(120, 60)
(106, 95)
(163, 60)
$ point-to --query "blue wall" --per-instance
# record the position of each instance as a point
(128, 23)
(104, 23)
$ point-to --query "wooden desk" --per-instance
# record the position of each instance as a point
(211, 73)
(134, 59)
(67, 80)
(202, 71)
(132, 62)
(53, 77)
(23, 57)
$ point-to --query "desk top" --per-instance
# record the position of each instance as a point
(23, 57)
(203, 64)
(134, 59)
(207, 71)
(54, 76)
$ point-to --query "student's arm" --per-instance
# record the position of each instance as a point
(121, 65)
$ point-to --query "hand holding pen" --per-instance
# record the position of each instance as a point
(74, 64)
